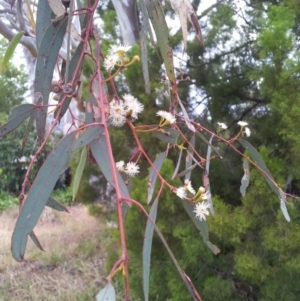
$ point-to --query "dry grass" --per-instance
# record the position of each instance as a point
(70, 269)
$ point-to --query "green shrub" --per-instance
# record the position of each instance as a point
(7, 201)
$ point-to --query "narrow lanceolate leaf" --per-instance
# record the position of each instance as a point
(11, 49)
(54, 204)
(168, 135)
(147, 248)
(206, 174)
(35, 240)
(202, 226)
(100, 152)
(146, 22)
(77, 60)
(27, 131)
(246, 178)
(256, 157)
(157, 17)
(208, 155)
(87, 136)
(153, 175)
(79, 172)
(178, 165)
(144, 55)
(17, 116)
(43, 20)
(207, 142)
(39, 194)
(46, 60)
(187, 281)
(186, 116)
(183, 173)
(107, 293)
(188, 158)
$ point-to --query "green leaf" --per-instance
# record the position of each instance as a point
(256, 157)
(145, 21)
(206, 183)
(208, 155)
(17, 116)
(157, 17)
(178, 165)
(246, 178)
(186, 116)
(147, 248)
(207, 142)
(36, 241)
(11, 49)
(46, 60)
(153, 175)
(27, 131)
(202, 226)
(187, 170)
(79, 172)
(187, 281)
(100, 152)
(43, 20)
(188, 158)
(54, 204)
(169, 135)
(144, 55)
(39, 194)
(87, 136)
(76, 62)
(107, 293)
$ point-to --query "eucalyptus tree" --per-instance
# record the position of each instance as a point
(111, 103)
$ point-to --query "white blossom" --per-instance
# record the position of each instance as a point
(167, 116)
(188, 186)
(247, 132)
(110, 61)
(132, 169)
(201, 210)
(119, 49)
(120, 166)
(180, 192)
(117, 107)
(242, 123)
(222, 125)
(118, 120)
(206, 195)
(132, 106)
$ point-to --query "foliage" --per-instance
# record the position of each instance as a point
(7, 201)
(64, 196)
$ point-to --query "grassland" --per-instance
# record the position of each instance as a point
(72, 266)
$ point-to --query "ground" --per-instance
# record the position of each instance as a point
(72, 266)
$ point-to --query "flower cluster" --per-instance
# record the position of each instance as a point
(182, 191)
(243, 124)
(120, 109)
(131, 168)
(201, 208)
(166, 118)
(115, 56)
